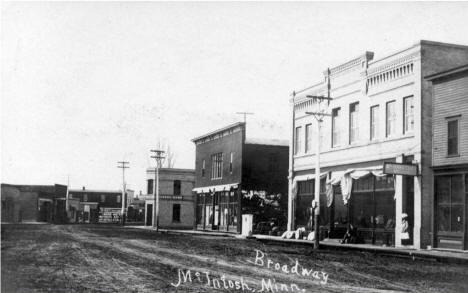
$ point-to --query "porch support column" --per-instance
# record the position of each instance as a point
(417, 213)
(398, 204)
(291, 194)
(146, 213)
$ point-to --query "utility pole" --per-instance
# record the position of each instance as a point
(67, 202)
(159, 157)
(319, 117)
(245, 120)
(122, 165)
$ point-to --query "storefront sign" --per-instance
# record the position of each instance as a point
(400, 169)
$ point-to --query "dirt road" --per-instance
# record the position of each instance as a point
(74, 258)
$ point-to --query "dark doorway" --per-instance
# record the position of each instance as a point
(149, 214)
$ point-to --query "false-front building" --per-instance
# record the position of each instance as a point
(235, 175)
(381, 111)
(450, 157)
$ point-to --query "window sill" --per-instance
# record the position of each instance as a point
(453, 156)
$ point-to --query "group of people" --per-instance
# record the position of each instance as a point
(300, 233)
(352, 236)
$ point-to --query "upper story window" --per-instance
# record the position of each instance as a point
(308, 138)
(118, 198)
(298, 142)
(150, 186)
(408, 113)
(390, 119)
(177, 188)
(103, 198)
(203, 169)
(452, 137)
(217, 166)
(85, 197)
(230, 162)
(353, 122)
(374, 122)
(335, 127)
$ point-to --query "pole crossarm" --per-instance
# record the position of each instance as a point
(319, 113)
(123, 165)
(245, 115)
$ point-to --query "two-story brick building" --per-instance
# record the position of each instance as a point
(176, 204)
(92, 205)
(236, 175)
(381, 111)
(450, 157)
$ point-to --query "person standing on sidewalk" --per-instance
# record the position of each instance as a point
(405, 237)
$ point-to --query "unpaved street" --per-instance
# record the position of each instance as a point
(105, 258)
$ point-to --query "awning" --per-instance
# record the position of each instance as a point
(343, 178)
(214, 188)
(308, 176)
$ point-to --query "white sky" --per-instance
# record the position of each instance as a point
(85, 85)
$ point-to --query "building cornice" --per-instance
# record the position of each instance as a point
(446, 73)
(218, 131)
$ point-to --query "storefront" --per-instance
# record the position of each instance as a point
(217, 208)
(451, 194)
(364, 198)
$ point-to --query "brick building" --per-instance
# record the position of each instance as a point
(236, 175)
(33, 203)
(176, 207)
(93, 205)
(381, 111)
(450, 157)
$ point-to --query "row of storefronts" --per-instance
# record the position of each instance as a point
(393, 146)
(409, 109)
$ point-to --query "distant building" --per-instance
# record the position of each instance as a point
(135, 207)
(176, 207)
(236, 175)
(381, 112)
(450, 157)
(33, 203)
(92, 206)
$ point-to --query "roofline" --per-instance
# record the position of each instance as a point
(267, 142)
(94, 190)
(30, 185)
(419, 43)
(172, 170)
(306, 89)
(434, 43)
(448, 72)
(219, 130)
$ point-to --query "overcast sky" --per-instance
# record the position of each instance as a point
(85, 85)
